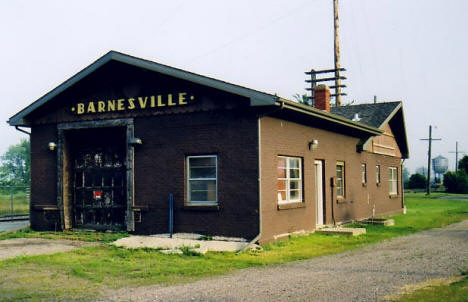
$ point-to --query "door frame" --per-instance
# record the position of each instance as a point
(63, 187)
(321, 164)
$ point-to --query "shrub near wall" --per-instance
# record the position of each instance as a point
(456, 182)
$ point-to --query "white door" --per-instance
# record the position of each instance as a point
(319, 190)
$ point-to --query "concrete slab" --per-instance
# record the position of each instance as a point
(343, 231)
(164, 243)
(379, 221)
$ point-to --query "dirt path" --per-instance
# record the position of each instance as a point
(34, 246)
(360, 275)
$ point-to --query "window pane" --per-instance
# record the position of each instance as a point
(294, 195)
(281, 173)
(203, 190)
(339, 191)
(281, 162)
(203, 161)
(339, 172)
(294, 185)
(281, 185)
(294, 173)
(199, 196)
(198, 172)
(294, 162)
(202, 185)
(282, 196)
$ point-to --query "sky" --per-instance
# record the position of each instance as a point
(408, 50)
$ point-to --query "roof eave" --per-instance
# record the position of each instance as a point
(257, 98)
(330, 117)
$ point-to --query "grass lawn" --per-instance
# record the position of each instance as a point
(455, 292)
(20, 204)
(83, 273)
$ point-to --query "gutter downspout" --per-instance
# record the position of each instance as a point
(403, 188)
(260, 177)
(21, 130)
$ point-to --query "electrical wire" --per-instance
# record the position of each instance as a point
(253, 32)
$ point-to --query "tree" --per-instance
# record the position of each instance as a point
(406, 174)
(15, 165)
(463, 164)
(302, 99)
(456, 182)
(417, 181)
(421, 170)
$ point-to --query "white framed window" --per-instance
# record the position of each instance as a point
(340, 179)
(363, 173)
(202, 180)
(393, 180)
(289, 179)
(377, 174)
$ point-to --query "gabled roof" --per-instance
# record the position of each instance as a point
(257, 98)
(378, 115)
(373, 115)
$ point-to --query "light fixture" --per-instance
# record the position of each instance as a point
(52, 146)
(135, 141)
(313, 144)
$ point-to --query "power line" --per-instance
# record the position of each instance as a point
(430, 139)
(456, 155)
(244, 36)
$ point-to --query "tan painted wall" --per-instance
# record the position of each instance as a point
(280, 137)
(384, 144)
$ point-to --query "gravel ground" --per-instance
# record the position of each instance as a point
(365, 274)
(10, 248)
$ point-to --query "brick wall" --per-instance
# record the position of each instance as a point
(281, 137)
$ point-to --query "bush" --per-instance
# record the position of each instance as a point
(456, 182)
(417, 181)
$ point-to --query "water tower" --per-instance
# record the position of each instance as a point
(440, 166)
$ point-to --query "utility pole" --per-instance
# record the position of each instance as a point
(337, 53)
(456, 156)
(430, 139)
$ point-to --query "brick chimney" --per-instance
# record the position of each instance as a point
(322, 97)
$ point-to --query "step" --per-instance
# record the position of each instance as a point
(379, 221)
(342, 231)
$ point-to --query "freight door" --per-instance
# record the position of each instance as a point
(99, 178)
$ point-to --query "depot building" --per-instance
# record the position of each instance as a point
(113, 144)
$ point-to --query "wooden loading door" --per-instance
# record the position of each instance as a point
(99, 179)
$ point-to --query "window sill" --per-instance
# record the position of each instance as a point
(291, 205)
(364, 184)
(341, 200)
(46, 207)
(206, 208)
(393, 196)
(378, 184)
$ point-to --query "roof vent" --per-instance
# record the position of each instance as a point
(356, 117)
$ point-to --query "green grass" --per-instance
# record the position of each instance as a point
(69, 235)
(20, 204)
(83, 273)
(455, 292)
